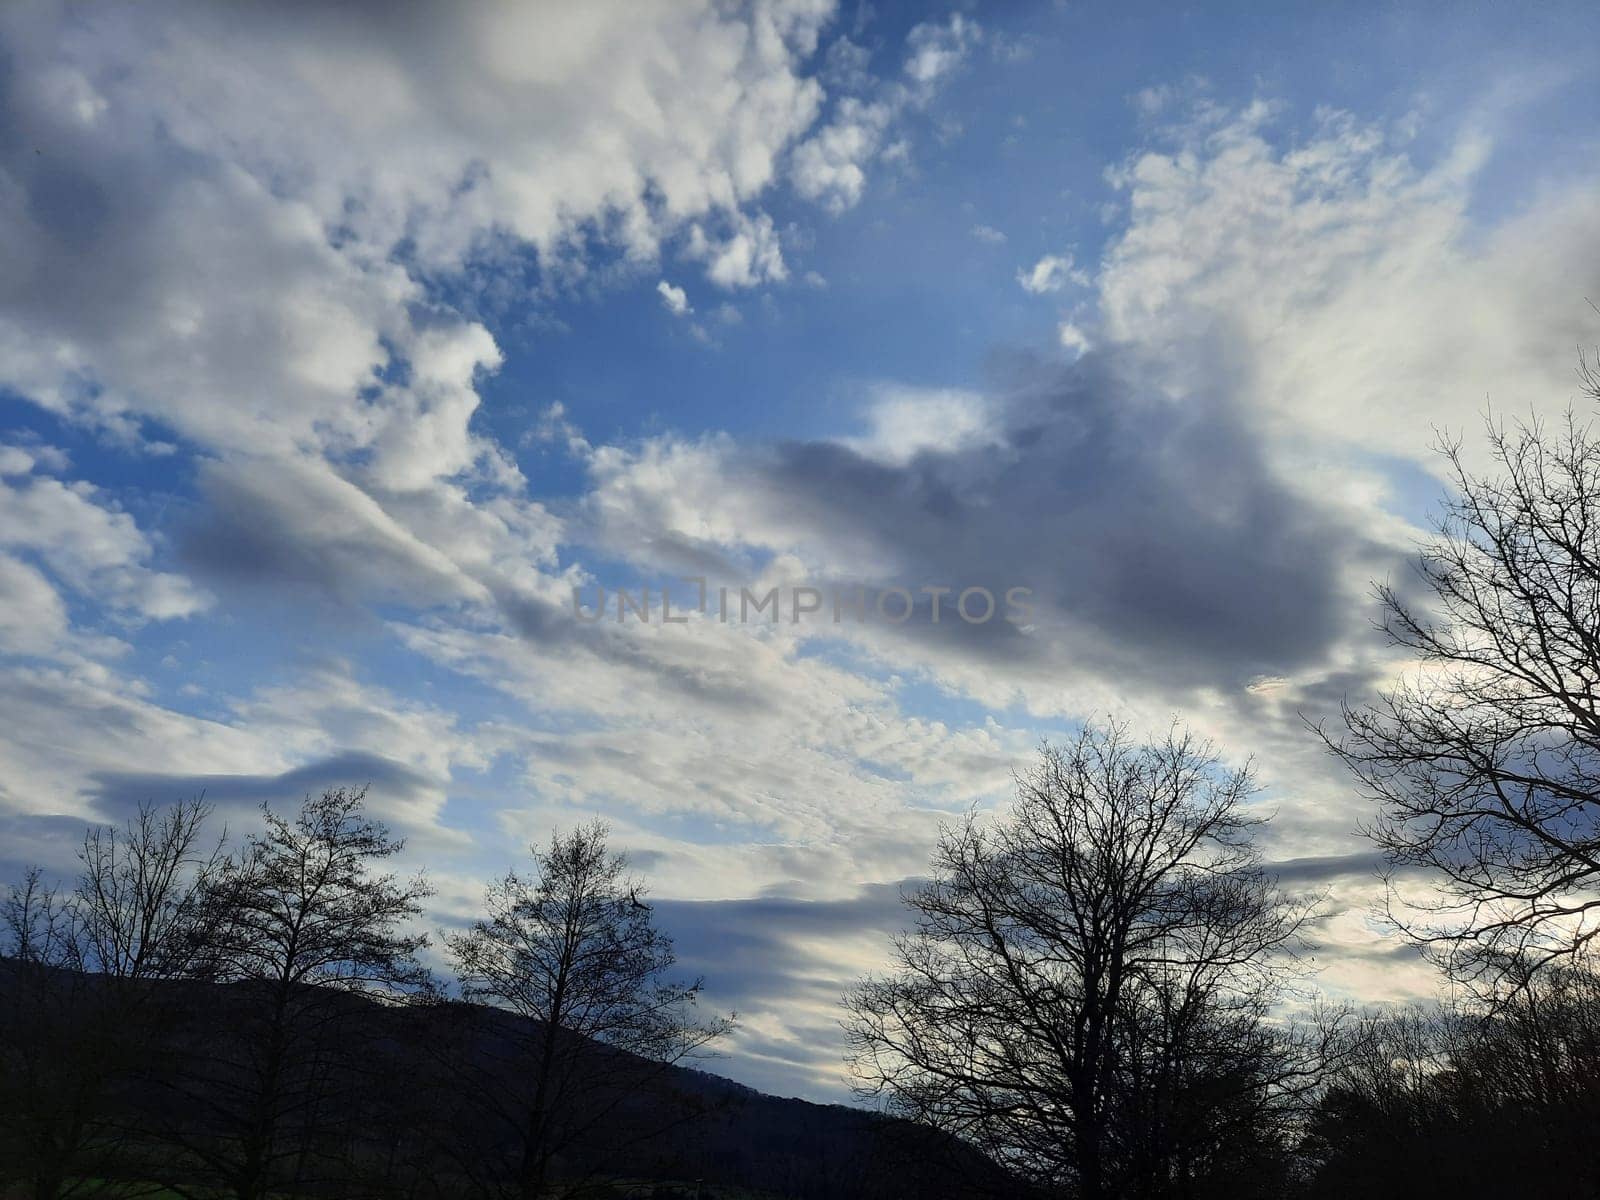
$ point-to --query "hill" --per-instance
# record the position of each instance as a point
(414, 1100)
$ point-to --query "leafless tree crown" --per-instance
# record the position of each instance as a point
(1078, 967)
(1486, 759)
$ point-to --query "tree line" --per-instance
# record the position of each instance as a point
(1099, 994)
(1103, 992)
(257, 1022)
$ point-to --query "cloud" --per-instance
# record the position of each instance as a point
(90, 546)
(1160, 544)
(674, 299)
(989, 235)
(397, 793)
(937, 49)
(286, 524)
(255, 244)
(60, 722)
(345, 168)
(1150, 101)
(905, 422)
(783, 964)
(1352, 277)
(1073, 339)
(711, 722)
(1320, 869)
(1050, 274)
(445, 126)
(830, 165)
(846, 67)
(747, 254)
(33, 619)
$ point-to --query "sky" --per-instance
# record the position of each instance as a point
(342, 346)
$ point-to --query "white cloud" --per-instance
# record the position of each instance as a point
(14, 460)
(674, 299)
(33, 619)
(572, 112)
(332, 400)
(257, 210)
(988, 234)
(300, 154)
(1371, 306)
(830, 166)
(1304, 280)
(847, 67)
(1149, 102)
(1073, 338)
(747, 255)
(92, 547)
(904, 422)
(235, 247)
(115, 726)
(937, 49)
(1050, 274)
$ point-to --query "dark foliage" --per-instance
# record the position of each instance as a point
(1473, 1103)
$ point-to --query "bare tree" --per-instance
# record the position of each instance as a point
(1486, 761)
(37, 925)
(83, 1021)
(574, 950)
(1468, 1099)
(300, 929)
(1101, 950)
(140, 896)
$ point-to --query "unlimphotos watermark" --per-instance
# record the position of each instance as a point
(743, 605)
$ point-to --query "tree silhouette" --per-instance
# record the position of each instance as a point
(297, 925)
(1486, 761)
(574, 949)
(82, 1018)
(1082, 994)
(1469, 1100)
(49, 1078)
(141, 896)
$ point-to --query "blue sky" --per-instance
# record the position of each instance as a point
(337, 347)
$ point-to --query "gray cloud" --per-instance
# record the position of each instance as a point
(1157, 538)
(749, 950)
(1324, 868)
(48, 840)
(116, 794)
(286, 525)
(760, 956)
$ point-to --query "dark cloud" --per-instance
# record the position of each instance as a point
(1154, 534)
(117, 794)
(297, 526)
(266, 530)
(1384, 953)
(1324, 868)
(557, 629)
(752, 952)
(47, 840)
